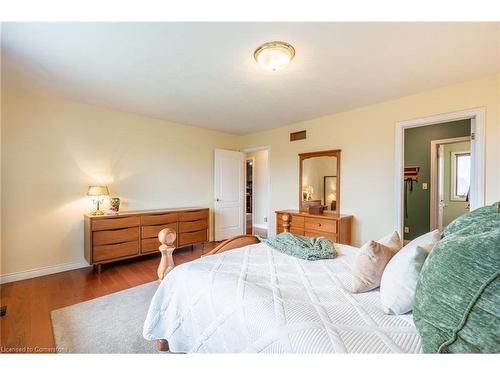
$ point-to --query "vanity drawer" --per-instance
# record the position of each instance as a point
(192, 237)
(150, 245)
(297, 231)
(192, 226)
(159, 219)
(105, 237)
(314, 233)
(193, 215)
(295, 222)
(150, 231)
(106, 252)
(319, 224)
(115, 223)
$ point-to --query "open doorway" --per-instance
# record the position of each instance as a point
(257, 190)
(404, 173)
(421, 156)
(249, 162)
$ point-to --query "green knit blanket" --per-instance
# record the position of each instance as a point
(302, 247)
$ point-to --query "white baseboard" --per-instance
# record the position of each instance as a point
(260, 226)
(36, 272)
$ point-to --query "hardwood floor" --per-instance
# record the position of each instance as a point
(27, 326)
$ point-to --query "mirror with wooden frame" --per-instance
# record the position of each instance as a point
(319, 180)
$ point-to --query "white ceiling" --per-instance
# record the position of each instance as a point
(203, 74)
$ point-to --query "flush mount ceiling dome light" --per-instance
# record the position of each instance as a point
(274, 56)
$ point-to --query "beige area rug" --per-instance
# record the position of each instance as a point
(109, 324)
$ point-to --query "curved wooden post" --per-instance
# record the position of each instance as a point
(234, 243)
(286, 222)
(167, 238)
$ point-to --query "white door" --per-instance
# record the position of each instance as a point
(229, 194)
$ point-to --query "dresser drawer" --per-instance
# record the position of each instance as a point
(297, 231)
(318, 224)
(115, 223)
(315, 233)
(150, 231)
(159, 219)
(193, 215)
(192, 237)
(150, 245)
(192, 226)
(295, 222)
(108, 252)
(105, 237)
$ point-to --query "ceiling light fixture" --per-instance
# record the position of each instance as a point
(274, 56)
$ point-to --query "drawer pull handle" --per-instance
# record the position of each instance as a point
(319, 224)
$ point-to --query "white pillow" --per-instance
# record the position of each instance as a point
(399, 280)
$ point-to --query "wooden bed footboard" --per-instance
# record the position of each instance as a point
(168, 236)
(167, 239)
(234, 243)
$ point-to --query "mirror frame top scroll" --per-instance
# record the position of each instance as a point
(309, 155)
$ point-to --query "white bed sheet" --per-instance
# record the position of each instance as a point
(256, 299)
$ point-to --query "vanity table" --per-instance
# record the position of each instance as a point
(336, 228)
(319, 185)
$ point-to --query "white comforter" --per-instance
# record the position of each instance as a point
(256, 299)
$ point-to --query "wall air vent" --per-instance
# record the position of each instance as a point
(297, 136)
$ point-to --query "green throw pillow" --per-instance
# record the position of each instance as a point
(479, 215)
(457, 299)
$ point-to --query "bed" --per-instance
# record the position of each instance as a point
(246, 297)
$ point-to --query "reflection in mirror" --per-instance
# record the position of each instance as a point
(319, 182)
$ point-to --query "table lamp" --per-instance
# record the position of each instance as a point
(97, 193)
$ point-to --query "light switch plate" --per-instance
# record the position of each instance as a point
(407, 229)
(424, 185)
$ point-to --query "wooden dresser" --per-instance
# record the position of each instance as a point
(334, 227)
(135, 233)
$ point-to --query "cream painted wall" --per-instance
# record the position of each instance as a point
(52, 149)
(261, 186)
(366, 137)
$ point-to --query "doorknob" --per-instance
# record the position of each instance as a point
(217, 199)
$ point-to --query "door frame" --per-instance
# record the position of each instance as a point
(434, 193)
(253, 189)
(478, 125)
(269, 182)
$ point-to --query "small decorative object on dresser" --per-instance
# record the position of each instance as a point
(114, 204)
(336, 228)
(316, 210)
(131, 234)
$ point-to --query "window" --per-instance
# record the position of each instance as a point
(460, 175)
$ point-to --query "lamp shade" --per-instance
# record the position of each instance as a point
(97, 191)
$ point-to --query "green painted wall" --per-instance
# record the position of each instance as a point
(418, 153)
